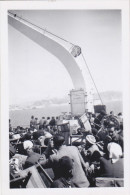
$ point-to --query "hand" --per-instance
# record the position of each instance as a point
(91, 169)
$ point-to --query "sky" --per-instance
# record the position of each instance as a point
(35, 74)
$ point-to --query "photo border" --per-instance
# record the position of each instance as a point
(122, 5)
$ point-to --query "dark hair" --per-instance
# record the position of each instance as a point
(58, 140)
(95, 156)
(28, 136)
(111, 124)
(119, 114)
(36, 135)
(66, 163)
(106, 123)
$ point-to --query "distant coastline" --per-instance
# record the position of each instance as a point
(20, 114)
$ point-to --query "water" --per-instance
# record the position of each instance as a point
(22, 117)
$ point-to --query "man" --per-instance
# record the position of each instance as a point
(52, 122)
(113, 136)
(90, 147)
(103, 132)
(32, 122)
(32, 156)
(98, 119)
(41, 123)
(79, 169)
(65, 169)
(36, 124)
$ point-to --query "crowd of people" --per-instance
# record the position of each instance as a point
(97, 153)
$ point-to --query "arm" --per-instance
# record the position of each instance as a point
(84, 165)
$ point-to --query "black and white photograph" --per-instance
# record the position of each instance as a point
(66, 116)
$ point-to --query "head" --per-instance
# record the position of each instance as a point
(90, 140)
(58, 141)
(43, 117)
(28, 146)
(36, 135)
(103, 113)
(111, 113)
(80, 130)
(32, 117)
(27, 136)
(111, 131)
(66, 167)
(115, 151)
(105, 123)
(119, 114)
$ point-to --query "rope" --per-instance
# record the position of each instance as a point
(43, 29)
(92, 78)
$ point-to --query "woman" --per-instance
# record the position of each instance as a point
(112, 164)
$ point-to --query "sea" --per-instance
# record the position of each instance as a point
(22, 117)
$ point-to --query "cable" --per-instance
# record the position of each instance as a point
(92, 78)
(15, 15)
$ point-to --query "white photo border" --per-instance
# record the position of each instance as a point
(122, 5)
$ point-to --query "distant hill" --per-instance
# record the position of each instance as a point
(112, 100)
(21, 114)
(110, 96)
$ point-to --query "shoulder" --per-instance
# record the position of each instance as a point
(72, 147)
(103, 159)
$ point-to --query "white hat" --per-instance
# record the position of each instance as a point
(27, 144)
(115, 151)
(91, 139)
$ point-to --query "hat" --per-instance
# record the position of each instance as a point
(115, 151)
(27, 145)
(66, 163)
(91, 139)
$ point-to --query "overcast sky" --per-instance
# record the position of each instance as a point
(35, 74)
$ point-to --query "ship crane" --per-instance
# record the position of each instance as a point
(64, 50)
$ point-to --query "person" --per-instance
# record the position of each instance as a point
(36, 124)
(32, 122)
(90, 148)
(52, 122)
(98, 119)
(111, 165)
(33, 157)
(113, 136)
(112, 113)
(46, 136)
(65, 168)
(41, 123)
(10, 127)
(79, 169)
(48, 121)
(57, 119)
(120, 118)
(103, 132)
(91, 119)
